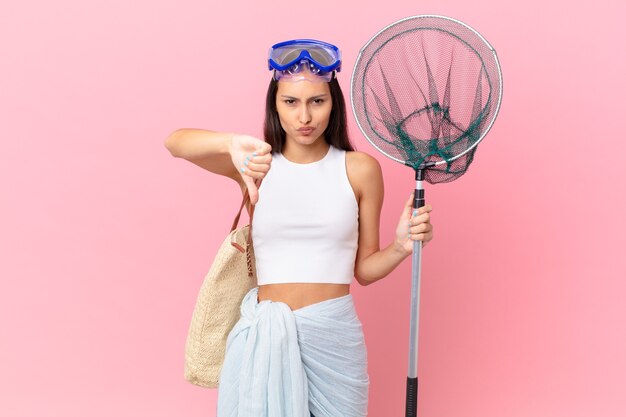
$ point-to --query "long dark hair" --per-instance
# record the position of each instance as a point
(336, 134)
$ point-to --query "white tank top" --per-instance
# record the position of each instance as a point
(305, 226)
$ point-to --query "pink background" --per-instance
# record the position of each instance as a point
(105, 238)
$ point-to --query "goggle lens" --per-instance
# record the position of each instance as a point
(288, 54)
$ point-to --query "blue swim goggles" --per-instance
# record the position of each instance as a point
(291, 57)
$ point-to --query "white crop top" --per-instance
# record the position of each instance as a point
(305, 226)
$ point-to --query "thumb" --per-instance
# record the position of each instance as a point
(408, 207)
(409, 202)
(252, 189)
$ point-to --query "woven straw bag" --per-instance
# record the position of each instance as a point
(231, 275)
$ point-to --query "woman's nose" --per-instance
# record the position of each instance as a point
(305, 115)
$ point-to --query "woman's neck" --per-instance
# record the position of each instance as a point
(305, 154)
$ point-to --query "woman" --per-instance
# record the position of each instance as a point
(299, 347)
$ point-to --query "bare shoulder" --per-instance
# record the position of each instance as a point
(362, 165)
(363, 171)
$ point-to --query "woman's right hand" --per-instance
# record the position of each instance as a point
(252, 157)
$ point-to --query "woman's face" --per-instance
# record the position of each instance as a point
(303, 108)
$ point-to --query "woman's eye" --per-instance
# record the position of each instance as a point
(289, 101)
(318, 101)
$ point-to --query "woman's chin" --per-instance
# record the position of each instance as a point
(307, 139)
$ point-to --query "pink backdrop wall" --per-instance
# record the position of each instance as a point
(105, 238)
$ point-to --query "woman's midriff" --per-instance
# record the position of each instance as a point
(298, 295)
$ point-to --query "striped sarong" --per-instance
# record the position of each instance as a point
(284, 363)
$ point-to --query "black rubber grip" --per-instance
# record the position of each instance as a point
(411, 397)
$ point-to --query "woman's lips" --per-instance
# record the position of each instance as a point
(306, 130)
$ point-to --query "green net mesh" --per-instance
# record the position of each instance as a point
(425, 91)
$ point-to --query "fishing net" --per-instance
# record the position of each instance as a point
(425, 91)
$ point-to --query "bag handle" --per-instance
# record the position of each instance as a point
(246, 197)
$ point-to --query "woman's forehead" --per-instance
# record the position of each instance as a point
(302, 88)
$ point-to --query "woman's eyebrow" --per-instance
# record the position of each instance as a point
(310, 98)
(318, 96)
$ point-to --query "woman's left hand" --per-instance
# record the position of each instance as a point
(413, 225)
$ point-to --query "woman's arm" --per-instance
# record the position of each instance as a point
(207, 149)
(240, 157)
(372, 263)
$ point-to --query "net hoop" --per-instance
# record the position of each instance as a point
(384, 30)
